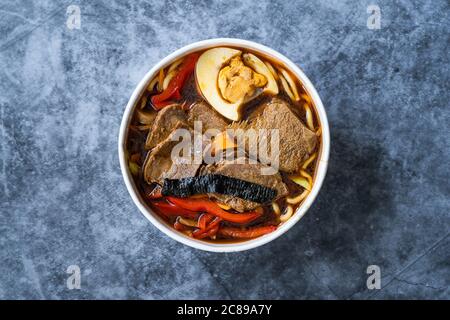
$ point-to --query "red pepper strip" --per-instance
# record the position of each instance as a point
(245, 234)
(209, 231)
(204, 220)
(155, 193)
(169, 210)
(178, 226)
(206, 205)
(213, 231)
(176, 84)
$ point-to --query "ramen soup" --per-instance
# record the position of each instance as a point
(223, 144)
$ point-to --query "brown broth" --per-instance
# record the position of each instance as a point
(136, 140)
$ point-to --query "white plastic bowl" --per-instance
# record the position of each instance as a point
(320, 173)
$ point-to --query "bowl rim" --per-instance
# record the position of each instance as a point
(153, 217)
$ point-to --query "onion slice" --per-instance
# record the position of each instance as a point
(187, 222)
(286, 87)
(152, 84)
(143, 102)
(145, 117)
(175, 65)
(309, 117)
(291, 83)
(167, 79)
(271, 69)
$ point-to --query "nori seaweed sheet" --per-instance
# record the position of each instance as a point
(217, 183)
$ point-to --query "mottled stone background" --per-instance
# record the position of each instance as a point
(385, 200)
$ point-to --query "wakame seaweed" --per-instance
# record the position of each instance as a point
(217, 183)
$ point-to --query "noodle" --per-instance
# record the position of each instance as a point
(319, 132)
(287, 214)
(298, 198)
(307, 176)
(309, 160)
(306, 98)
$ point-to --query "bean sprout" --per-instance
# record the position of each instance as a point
(160, 80)
(143, 102)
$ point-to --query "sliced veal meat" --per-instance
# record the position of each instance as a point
(159, 164)
(297, 142)
(209, 117)
(164, 124)
(251, 172)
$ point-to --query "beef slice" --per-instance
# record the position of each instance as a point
(160, 165)
(296, 141)
(165, 122)
(209, 117)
